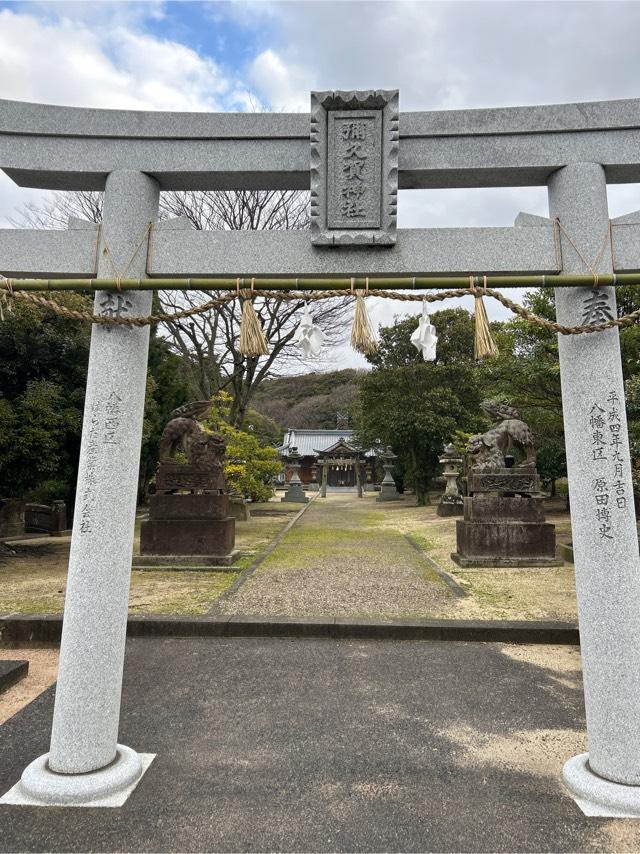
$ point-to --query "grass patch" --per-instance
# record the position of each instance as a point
(429, 574)
(244, 562)
(427, 545)
(184, 593)
(330, 537)
(514, 594)
(32, 605)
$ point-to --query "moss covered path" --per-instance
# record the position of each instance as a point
(341, 560)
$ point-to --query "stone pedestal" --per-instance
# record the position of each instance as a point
(11, 517)
(450, 505)
(295, 493)
(239, 508)
(189, 525)
(388, 492)
(504, 530)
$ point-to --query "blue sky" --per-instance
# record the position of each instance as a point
(211, 28)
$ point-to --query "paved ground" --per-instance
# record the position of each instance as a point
(319, 745)
(340, 560)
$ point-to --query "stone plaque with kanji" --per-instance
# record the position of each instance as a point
(354, 167)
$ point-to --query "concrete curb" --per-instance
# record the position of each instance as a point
(451, 583)
(12, 672)
(47, 629)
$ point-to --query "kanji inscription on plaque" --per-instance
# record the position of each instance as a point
(354, 167)
(355, 153)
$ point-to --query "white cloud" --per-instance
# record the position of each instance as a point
(66, 61)
(283, 87)
(463, 54)
(101, 58)
(473, 206)
(13, 198)
(168, 75)
(623, 199)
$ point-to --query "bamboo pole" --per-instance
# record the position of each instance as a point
(400, 283)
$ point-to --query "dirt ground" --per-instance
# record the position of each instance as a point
(43, 671)
(33, 581)
(542, 593)
(345, 557)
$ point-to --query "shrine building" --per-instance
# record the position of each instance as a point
(334, 449)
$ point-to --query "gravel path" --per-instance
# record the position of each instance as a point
(338, 561)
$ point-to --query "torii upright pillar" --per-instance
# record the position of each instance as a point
(85, 763)
(606, 780)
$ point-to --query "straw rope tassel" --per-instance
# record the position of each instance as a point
(483, 346)
(363, 338)
(6, 298)
(252, 339)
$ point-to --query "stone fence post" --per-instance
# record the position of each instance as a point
(85, 762)
(603, 519)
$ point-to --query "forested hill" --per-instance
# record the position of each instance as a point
(309, 400)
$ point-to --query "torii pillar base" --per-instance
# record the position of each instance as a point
(106, 787)
(596, 796)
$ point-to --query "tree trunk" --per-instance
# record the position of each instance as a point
(419, 484)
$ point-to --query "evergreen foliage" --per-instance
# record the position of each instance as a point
(43, 373)
(250, 465)
(43, 368)
(417, 406)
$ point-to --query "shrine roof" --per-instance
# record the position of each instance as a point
(338, 447)
(309, 442)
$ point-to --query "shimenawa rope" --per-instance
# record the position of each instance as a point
(252, 337)
(483, 344)
(147, 320)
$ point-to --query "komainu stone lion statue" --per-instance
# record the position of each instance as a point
(184, 432)
(207, 450)
(509, 431)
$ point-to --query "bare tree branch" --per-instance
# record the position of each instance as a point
(208, 343)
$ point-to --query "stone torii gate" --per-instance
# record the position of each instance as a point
(353, 156)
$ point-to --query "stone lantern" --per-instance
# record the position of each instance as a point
(451, 502)
(388, 491)
(295, 490)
